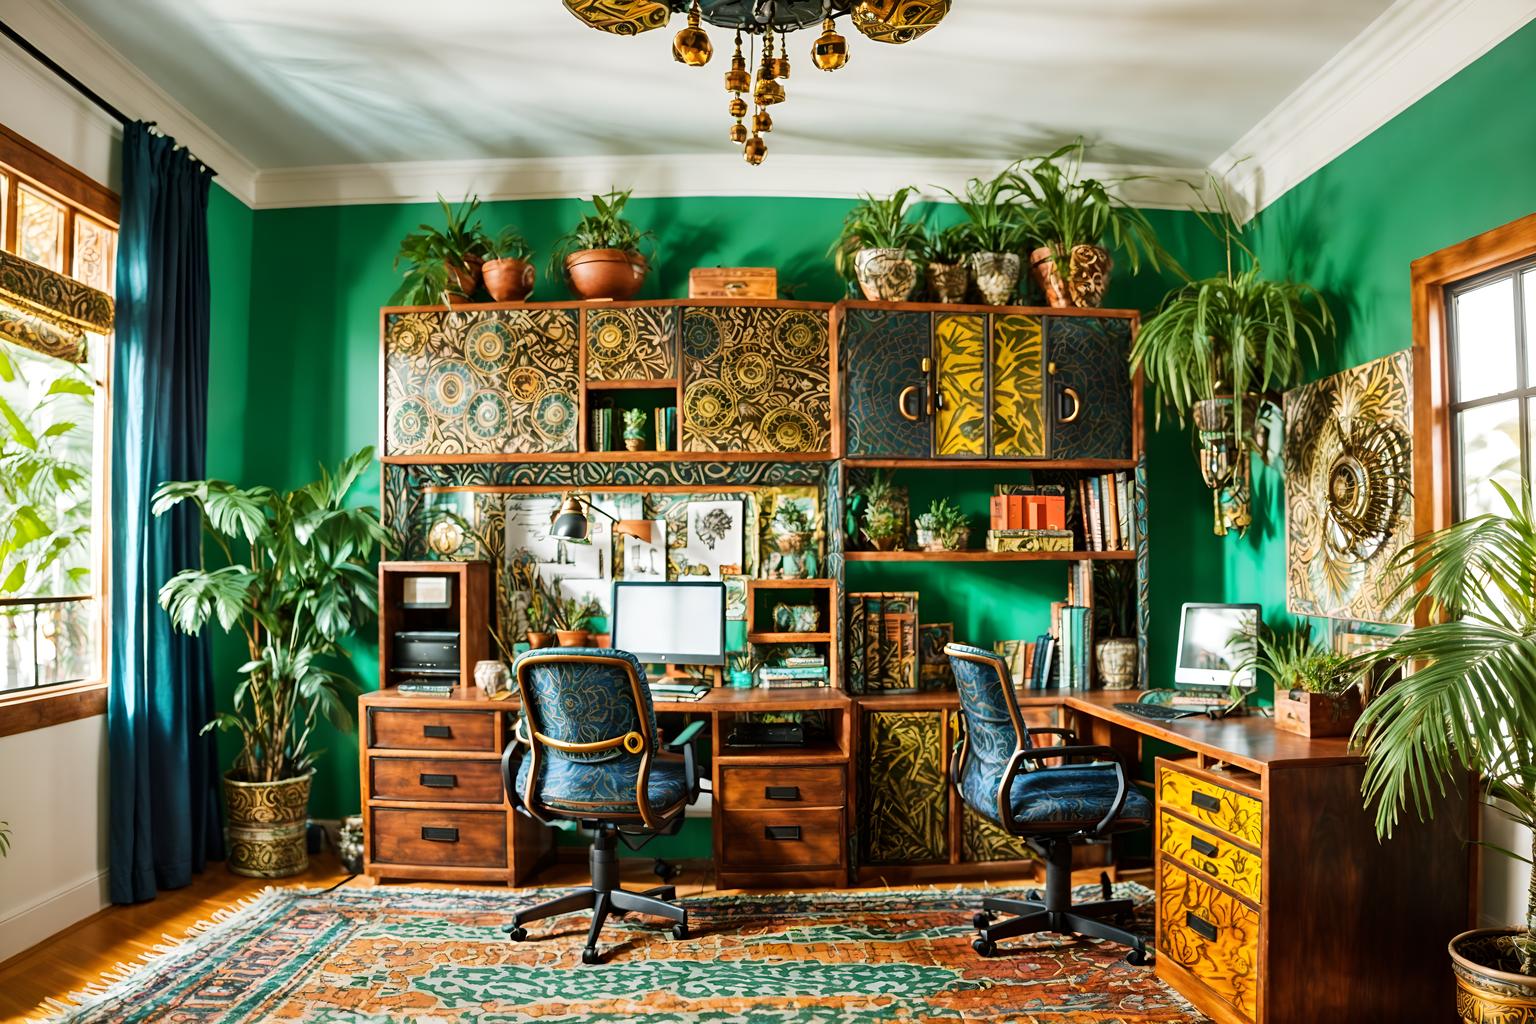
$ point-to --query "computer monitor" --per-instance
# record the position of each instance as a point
(1213, 640)
(681, 623)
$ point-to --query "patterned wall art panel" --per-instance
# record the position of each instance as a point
(1090, 355)
(981, 840)
(960, 346)
(756, 379)
(633, 343)
(881, 642)
(883, 353)
(1018, 388)
(905, 812)
(485, 382)
(1348, 489)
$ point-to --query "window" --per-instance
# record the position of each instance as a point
(53, 425)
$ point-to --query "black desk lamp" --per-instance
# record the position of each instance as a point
(570, 521)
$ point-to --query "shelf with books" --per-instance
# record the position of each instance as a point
(789, 638)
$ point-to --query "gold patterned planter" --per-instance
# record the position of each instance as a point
(1487, 995)
(1086, 282)
(948, 282)
(885, 275)
(1118, 658)
(997, 276)
(266, 823)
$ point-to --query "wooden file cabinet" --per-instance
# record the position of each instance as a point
(781, 826)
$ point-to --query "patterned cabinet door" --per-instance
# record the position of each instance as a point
(905, 814)
(480, 383)
(756, 379)
(1016, 400)
(886, 384)
(1090, 387)
(632, 343)
(960, 348)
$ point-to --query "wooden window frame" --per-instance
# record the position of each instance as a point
(23, 162)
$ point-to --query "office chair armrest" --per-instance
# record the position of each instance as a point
(1102, 753)
(1068, 737)
(684, 740)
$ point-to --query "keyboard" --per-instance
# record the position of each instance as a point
(1157, 712)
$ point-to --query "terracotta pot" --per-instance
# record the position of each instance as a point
(882, 543)
(573, 637)
(1117, 659)
(463, 281)
(265, 826)
(1085, 284)
(605, 273)
(634, 444)
(538, 639)
(1488, 986)
(1317, 714)
(508, 280)
(997, 276)
(792, 543)
(948, 282)
(885, 275)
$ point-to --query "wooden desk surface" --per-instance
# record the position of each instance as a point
(1251, 742)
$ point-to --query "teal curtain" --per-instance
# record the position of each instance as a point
(163, 780)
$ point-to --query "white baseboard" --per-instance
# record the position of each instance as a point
(51, 914)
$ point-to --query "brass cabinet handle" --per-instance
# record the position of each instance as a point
(1077, 405)
(901, 403)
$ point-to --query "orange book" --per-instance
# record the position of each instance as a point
(1055, 513)
(1015, 512)
(999, 512)
(1034, 512)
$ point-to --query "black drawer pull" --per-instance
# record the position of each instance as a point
(781, 792)
(440, 835)
(1205, 801)
(1200, 926)
(1200, 846)
(437, 732)
(782, 831)
(441, 781)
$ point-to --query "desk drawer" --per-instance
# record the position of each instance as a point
(1238, 869)
(1239, 815)
(403, 729)
(434, 780)
(461, 839)
(779, 840)
(782, 788)
(1210, 933)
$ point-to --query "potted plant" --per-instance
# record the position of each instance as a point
(1116, 652)
(1468, 708)
(443, 264)
(996, 228)
(571, 617)
(600, 257)
(634, 429)
(943, 527)
(1315, 693)
(296, 578)
(792, 534)
(539, 599)
(508, 275)
(1074, 217)
(876, 247)
(946, 271)
(885, 520)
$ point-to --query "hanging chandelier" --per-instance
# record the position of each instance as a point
(771, 21)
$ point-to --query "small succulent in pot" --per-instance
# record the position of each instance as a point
(600, 257)
(944, 527)
(443, 264)
(634, 429)
(508, 274)
(876, 247)
(885, 519)
(948, 273)
(995, 229)
(792, 528)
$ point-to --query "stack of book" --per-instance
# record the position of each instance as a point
(794, 673)
(1041, 657)
(666, 427)
(600, 431)
(1107, 503)
(667, 688)
(1029, 517)
(428, 689)
(1072, 630)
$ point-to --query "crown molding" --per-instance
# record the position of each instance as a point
(1414, 47)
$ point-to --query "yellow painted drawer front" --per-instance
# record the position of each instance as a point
(1210, 933)
(1237, 814)
(1234, 867)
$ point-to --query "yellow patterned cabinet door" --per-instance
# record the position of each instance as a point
(1239, 869)
(905, 811)
(1017, 399)
(632, 343)
(1210, 933)
(1237, 814)
(960, 422)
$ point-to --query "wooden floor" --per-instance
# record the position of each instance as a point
(80, 955)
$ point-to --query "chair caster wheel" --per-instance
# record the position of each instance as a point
(589, 955)
(680, 931)
(517, 933)
(1138, 958)
(982, 919)
(665, 871)
(983, 946)
(1033, 896)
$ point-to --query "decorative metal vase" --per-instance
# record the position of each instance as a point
(1117, 659)
(885, 275)
(266, 823)
(1494, 994)
(948, 282)
(349, 844)
(997, 276)
(1084, 284)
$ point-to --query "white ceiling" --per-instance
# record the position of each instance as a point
(306, 83)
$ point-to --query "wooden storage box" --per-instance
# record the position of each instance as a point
(1317, 714)
(733, 283)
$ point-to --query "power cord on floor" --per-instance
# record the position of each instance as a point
(326, 892)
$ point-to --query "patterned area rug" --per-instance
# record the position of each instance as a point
(383, 955)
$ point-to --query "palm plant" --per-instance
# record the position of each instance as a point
(445, 259)
(1470, 705)
(295, 580)
(875, 223)
(994, 220)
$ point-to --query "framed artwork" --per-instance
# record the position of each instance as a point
(713, 545)
(934, 670)
(647, 560)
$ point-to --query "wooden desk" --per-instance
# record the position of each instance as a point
(1276, 903)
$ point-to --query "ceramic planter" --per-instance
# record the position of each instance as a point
(1117, 660)
(1488, 987)
(948, 282)
(538, 639)
(508, 280)
(885, 275)
(492, 677)
(266, 823)
(573, 637)
(1083, 287)
(463, 279)
(950, 540)
(997, 276)
(606, 273)
(1317, 714)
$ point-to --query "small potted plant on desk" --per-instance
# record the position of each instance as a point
(600, 257)
(943, 527)
(508, 275)
(571, 617)
(634, 429)
(443, 264)
(877, 245)
(1315, 693)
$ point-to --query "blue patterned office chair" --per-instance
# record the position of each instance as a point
(594, 757)
(1000, 772)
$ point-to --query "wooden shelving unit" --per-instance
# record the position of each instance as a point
(822, 593)
(988, 556)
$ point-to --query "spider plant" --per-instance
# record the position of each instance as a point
(1470, 704)
(442, 259)
(946, 246)
(1293, 661)
(994, 221)
(875, 223)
